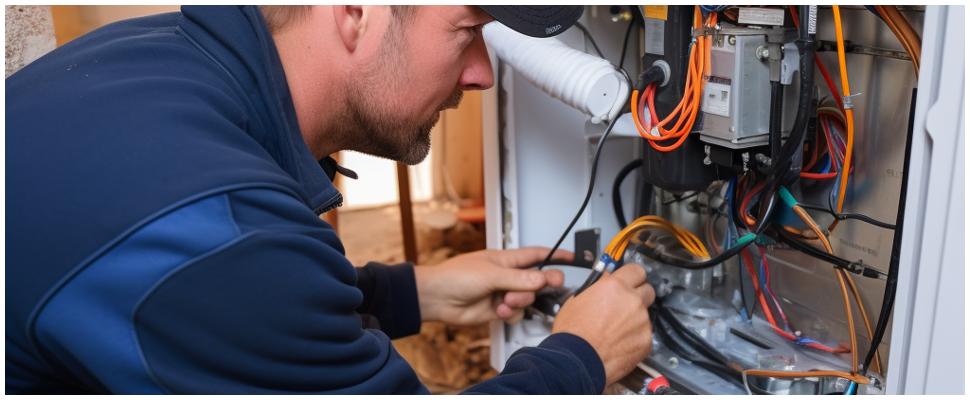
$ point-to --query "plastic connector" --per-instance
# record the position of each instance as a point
(747, 238)
(787, 197)
(654, 74)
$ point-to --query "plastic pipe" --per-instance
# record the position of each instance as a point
(583, 81)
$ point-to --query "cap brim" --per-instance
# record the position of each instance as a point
(536, 21)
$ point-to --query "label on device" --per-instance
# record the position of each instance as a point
(717, 99)
(761, 16)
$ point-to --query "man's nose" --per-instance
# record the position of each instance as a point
(477, 74)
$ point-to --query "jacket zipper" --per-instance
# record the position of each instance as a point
(334, 202)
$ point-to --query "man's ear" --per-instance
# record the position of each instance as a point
(351, 22)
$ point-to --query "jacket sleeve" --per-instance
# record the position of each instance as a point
(562, 364)
(390, 297)
(271, 309)
(248, 292)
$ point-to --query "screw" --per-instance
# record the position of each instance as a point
(673, 361)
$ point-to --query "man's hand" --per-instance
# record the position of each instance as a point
(612, 316)
(485, 285)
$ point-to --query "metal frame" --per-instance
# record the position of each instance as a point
(927, 354)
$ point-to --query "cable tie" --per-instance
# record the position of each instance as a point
(847, 101)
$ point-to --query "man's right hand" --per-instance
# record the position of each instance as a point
(611, 315)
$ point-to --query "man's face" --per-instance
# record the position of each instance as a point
(424, 63)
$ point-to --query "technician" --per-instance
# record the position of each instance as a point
(164, 181)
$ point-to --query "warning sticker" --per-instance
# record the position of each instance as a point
(717, 99)
(761, 16)
(655, 12)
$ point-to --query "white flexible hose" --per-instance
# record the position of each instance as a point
(585, 82)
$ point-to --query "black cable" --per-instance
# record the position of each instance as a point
(596, 157)
(659, 256)
(589, 190)
(590, 38)
(857, 267)
(667, 339)
(889, 294)
(626, 41)
(678, 199)
(844, 216)
(769, 208)
(774, 120)
(691, 337)
(617, 196)
(721, 369)
(781, 168)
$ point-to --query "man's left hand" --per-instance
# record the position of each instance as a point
(485, 285)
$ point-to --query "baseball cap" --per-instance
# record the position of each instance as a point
(536, 21)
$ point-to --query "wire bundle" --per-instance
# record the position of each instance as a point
(683, 116)
(687, 239)
(750, 199)
(903, 31)
(827, 161)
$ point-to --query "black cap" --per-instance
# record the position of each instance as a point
(536, 21)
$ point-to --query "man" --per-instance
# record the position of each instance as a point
(165, 176)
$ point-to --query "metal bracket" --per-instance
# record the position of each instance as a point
(789, 63)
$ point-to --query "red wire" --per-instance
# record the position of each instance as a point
(771, 293)
(653, 118)
(832, 154)
(749, 265)
(747, 199)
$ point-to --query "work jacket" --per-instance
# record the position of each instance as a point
(163, 231)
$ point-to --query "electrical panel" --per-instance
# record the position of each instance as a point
(759, 167)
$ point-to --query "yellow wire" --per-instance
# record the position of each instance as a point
(690, 241)
(849, 112)
(841, 277)
(806, 374)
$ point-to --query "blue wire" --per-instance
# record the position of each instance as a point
(731, 234)
(872, 9)
(826, 165)
(714, 9)
(852, 388)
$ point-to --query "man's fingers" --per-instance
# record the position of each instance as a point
(526, 257)
(632, 275)
(508, 314)
(554, 278)
(516, 280)
(646, 293)
(519, 299)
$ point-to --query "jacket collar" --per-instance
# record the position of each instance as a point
(236, 38)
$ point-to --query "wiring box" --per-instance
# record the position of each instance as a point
(756, 319)
(737, 96)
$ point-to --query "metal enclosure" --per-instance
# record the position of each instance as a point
(538, 154)
(736, 99)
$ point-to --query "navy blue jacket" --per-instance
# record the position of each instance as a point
(163, 232)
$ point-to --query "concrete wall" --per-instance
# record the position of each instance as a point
(30, 34)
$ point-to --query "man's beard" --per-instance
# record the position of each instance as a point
(370, 130)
